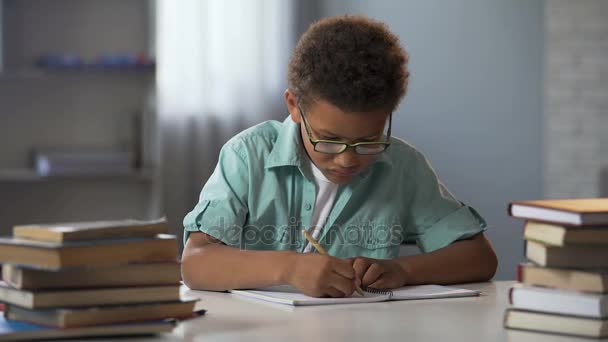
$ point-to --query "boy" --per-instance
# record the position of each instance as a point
(331, 169)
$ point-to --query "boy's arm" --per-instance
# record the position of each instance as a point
(207, 264)
(470, 260)
(439, 222)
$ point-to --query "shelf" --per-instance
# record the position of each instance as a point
(41, 73)
(30, 175)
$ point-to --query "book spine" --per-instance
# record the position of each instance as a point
(520, 269)
(509, 209)
(505, 318)
(511, 295)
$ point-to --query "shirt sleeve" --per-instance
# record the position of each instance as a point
(435, 217)
(222, 208)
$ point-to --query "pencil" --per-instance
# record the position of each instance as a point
(322, 250)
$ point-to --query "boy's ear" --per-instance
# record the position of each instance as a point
(292, 105)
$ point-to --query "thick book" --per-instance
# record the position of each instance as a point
(584, 257)
(556, 324)
(563, 278)
(88, 297)
(21, 331)
(555, 235)
(91, 230)
(576, 212)
(291, 296)
(559, 301)
(53, 256)
(20, 277)
(86, 316)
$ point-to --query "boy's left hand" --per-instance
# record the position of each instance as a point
(383, 274)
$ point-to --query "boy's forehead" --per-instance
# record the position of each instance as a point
(331, 120)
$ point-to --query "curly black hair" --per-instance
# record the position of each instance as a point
(352, 62)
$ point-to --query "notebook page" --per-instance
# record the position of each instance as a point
(300, 299)
(431, 291)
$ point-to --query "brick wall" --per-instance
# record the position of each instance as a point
(576, 97)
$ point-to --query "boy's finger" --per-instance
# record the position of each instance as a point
(334, 293)
(380, 283)
(360, 266)
(346, 286)
(344, 268)
(372, 274)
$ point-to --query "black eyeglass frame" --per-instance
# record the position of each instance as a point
(344, 145)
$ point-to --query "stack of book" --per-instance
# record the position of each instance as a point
(564, 286)
(93, 278)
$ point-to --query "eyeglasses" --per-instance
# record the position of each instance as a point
(336, 147)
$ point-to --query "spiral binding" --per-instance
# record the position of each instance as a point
(377, 291)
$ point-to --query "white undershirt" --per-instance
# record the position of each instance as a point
(326, 194)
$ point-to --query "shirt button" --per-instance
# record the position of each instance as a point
(308, 206)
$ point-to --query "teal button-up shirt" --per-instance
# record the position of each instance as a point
(262, 194)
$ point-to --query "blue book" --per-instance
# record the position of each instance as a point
(20, 331)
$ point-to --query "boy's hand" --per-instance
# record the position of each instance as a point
(382, 274)
(321, 276)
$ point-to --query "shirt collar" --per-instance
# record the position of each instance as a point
(288, 149)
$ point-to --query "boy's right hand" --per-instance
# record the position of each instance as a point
(319, 275)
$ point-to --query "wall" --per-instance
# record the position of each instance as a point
(475, 101)
(1, 39)
(576, 97)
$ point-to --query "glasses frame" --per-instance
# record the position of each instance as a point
(344, 145)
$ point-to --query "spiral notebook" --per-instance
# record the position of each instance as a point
(290, 296)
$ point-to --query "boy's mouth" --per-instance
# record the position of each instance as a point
(343, 172)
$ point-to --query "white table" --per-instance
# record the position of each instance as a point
(234, 318)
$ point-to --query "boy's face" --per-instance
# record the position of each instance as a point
(328, 122)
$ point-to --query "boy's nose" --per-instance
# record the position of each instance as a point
(347, 159)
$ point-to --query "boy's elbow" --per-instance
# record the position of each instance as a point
(191, 263)
(485, 258)
(489, 264)
(188, 274)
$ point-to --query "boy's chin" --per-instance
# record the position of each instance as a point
(339, 179)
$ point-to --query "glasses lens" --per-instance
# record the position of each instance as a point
(329, 147)
(370, 149)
